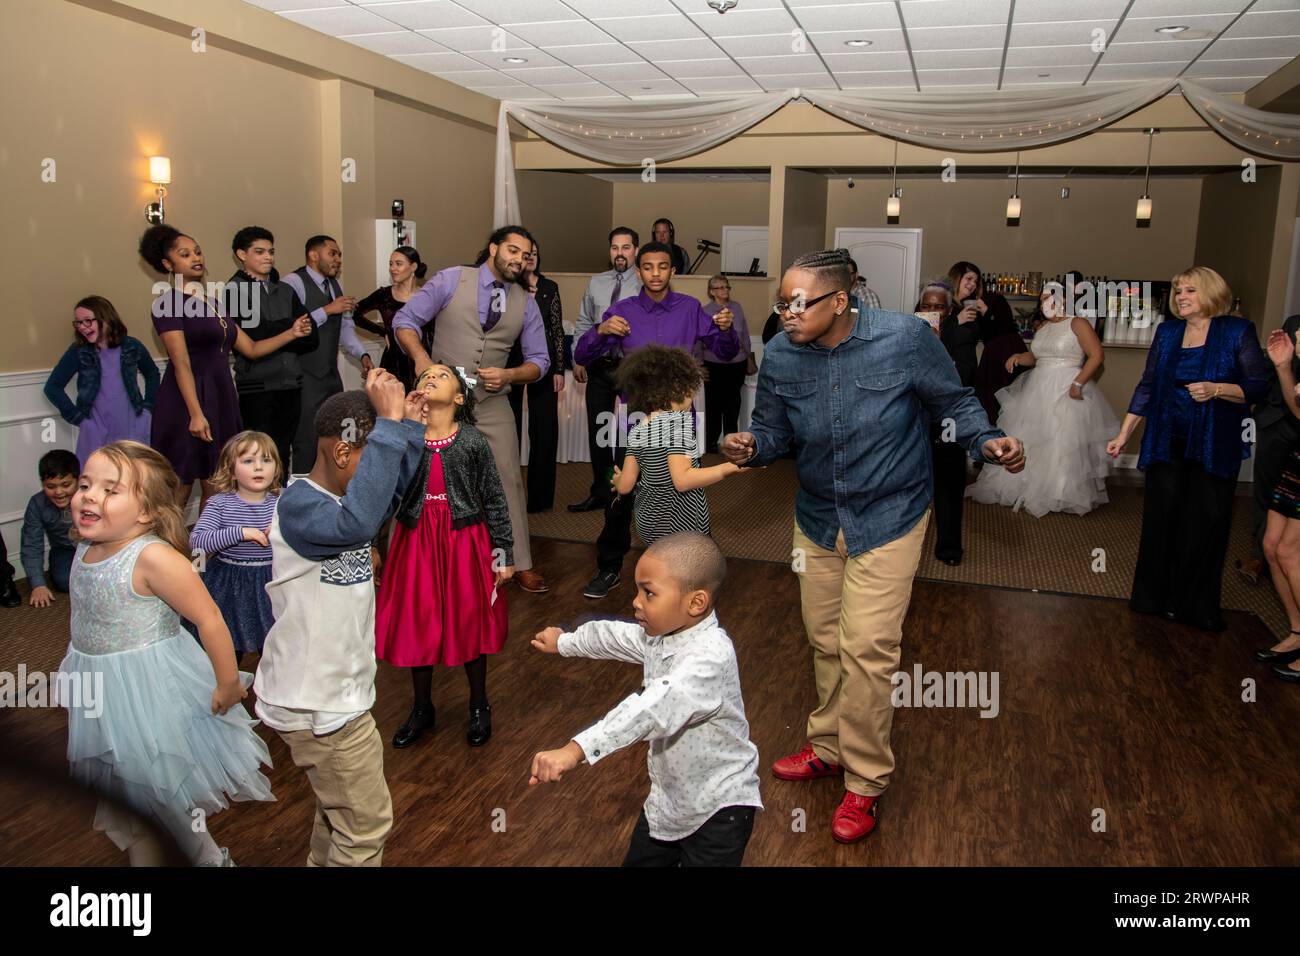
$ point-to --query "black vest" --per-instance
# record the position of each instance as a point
(322, 362)
(279, 370)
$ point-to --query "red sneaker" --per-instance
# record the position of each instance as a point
(854, 818)
(805, 765)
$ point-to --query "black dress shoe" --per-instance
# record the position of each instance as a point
(949, 559)
(421, 719)
(590, 503)
(1267, 656)
(480, 725)
(9, 596)
(1287, 674)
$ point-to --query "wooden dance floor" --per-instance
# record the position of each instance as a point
(1100, 710)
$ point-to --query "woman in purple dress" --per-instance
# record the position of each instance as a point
(108, 365)
(405, 270)
(197, 410)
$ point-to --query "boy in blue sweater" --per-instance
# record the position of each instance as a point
(49, 516)
(315, 682)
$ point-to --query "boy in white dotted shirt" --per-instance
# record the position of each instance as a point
(703, 766)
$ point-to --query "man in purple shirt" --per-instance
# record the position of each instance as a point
(655, 316)
(478, 313)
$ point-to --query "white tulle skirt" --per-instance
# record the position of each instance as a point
(1065, 445)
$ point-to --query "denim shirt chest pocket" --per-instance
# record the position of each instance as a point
(882, 394)
(801, 405)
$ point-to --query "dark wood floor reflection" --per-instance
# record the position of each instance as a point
(1100, 711)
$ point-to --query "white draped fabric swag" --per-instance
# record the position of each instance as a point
(634, 134)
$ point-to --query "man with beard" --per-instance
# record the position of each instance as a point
(604, 289)
(478, 313)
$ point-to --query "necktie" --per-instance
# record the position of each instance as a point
(618, 288)
(494, 306)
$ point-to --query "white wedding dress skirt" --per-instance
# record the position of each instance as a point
(1065, 440)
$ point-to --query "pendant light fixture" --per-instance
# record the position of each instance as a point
(1013, 203)
(1144, 201)
(894, 205)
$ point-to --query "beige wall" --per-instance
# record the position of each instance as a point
(571, 215)
(1236, 235)
(698, 210)
(1092, 231)
(443, 171)
(804, 209)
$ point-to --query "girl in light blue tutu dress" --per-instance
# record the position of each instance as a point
(146, 726)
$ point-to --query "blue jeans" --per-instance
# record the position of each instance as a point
(60, 568)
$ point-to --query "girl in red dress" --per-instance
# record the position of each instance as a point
(441, 601)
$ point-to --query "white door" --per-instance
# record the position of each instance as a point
(889, 259)
(741, 245)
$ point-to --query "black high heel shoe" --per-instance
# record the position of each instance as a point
(480, 725)
(421, 719)
(1266, 655)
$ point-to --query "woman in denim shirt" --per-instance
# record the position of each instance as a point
(1202, 376)
(107, 364)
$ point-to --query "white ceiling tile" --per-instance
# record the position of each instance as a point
(403, 41)
(518, 11)
(867, 62)
(715, 67)
(672, 27)
(525, 95)
(1067, 33)
(560, 33)
(956, 13)
(1185, 8)
(1057, 11)
(439, 62)
(660, 87)
(337, 21)
(476, 77)
(890, 41)
(1154, 52)
(597, 54)
(884, 80)
(624, 73)
(956, 38)
(808, 81)
(604, 10)
(957, 59)
(781, 45)
(744, 22)
(1051, 55)
(1226, 49)
(1260, 67)
(858, 16)
(580, 91)
(797, 5)
(426, 14)
(1267, 25)
(1055, 74)
(494, 81)
(770, 65)
(535, 58)
(548, 75)
(931, 78)
(1266, 6)
(1136, 71)
(658, 51)
(475, 39)
(1143, 29)
(277, 5)
(709, 85)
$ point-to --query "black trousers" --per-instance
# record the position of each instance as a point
(949, 461)
(602, 396)
(722, 400)
(6, 569)
(1186, 518)
(721, 841)
(313, 394)
(1273, 444)
(275, 413)
(543, 438)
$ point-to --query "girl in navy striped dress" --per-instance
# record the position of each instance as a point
(231, 535)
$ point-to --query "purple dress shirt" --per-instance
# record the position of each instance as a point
(679, 321)
(437, 292)
(348, 331)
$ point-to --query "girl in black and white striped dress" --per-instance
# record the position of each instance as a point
(661, 465)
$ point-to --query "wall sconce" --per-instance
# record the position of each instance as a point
(1144, 201)
(160, 174)
(1013, 203)
(894, 205)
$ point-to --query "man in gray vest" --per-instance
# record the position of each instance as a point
(478, 315)
(317, 285)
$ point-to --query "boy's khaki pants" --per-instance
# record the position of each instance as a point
(353, 809)
(853, 610)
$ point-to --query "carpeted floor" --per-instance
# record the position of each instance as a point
(1094, 554)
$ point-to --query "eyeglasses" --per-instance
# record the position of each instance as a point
(84, 321)
(784, 308)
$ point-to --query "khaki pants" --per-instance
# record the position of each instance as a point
(853, 610)
(353, 809)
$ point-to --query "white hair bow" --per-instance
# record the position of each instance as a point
(470, 383)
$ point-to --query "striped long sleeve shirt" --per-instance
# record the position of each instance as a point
(220, 527)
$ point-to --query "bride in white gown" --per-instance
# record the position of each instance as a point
(1062, 419)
